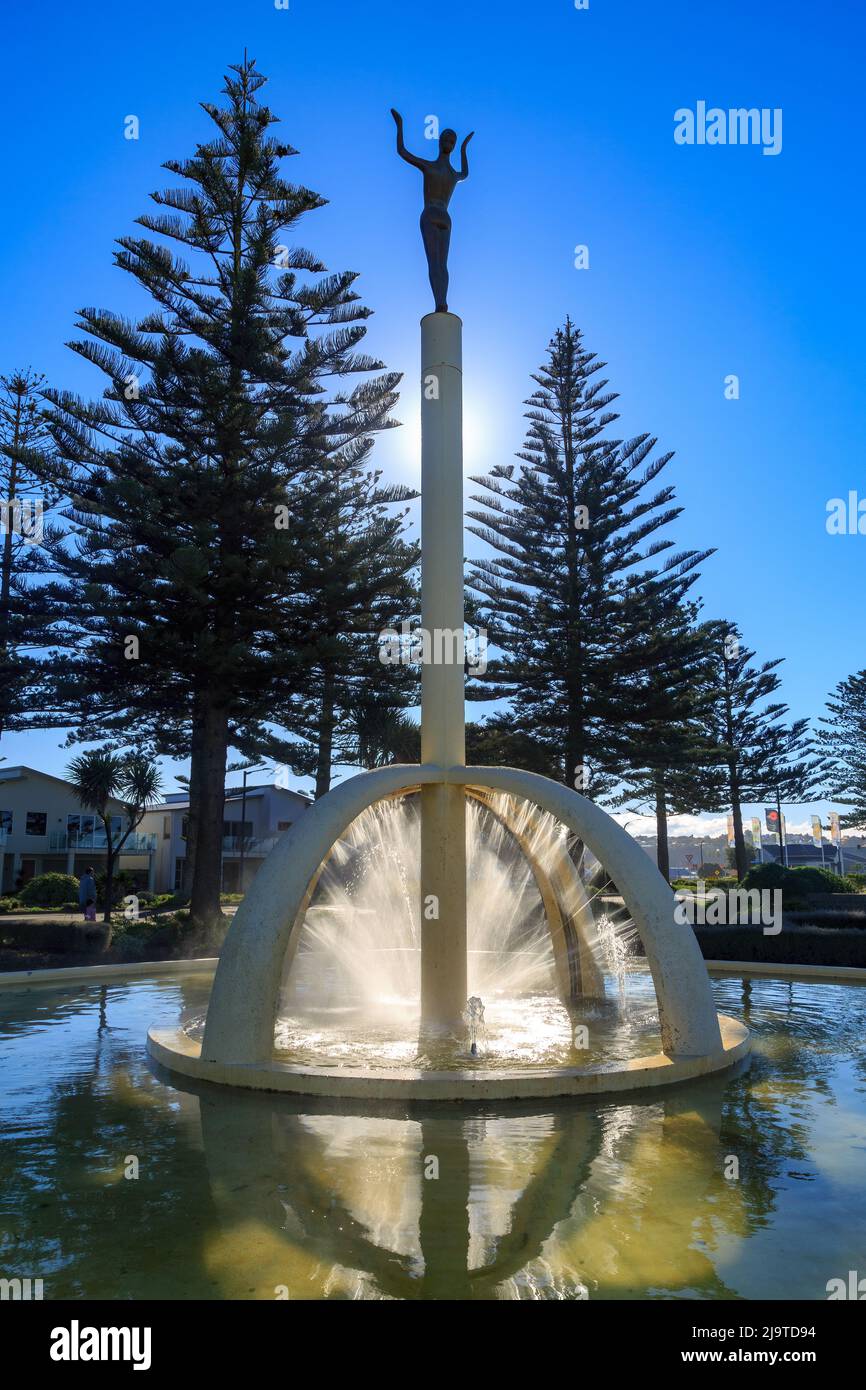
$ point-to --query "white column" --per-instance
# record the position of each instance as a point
(443, 740)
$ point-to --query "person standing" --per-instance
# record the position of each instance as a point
(87, 894)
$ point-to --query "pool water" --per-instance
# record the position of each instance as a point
(532, 1032)
(745, 1186)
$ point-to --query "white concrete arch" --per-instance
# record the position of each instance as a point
(239, 1030)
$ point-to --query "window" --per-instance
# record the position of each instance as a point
(283, 824)
(36, 823)
(166, 827)
(236, 829)
(6, 821)
(80, 830)
(179, 866)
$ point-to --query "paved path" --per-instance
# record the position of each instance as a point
(77, 918)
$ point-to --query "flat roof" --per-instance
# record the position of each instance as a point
(233, 795)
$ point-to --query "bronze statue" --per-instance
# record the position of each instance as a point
(439, 181)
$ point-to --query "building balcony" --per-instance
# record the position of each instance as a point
(251, 846)
(97, 843)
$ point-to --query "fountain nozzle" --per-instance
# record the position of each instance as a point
(474, 1017)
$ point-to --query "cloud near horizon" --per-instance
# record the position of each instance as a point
(698, 826)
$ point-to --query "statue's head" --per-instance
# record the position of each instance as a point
(447, 141)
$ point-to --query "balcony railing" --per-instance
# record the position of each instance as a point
(232, 844)
(136, 843)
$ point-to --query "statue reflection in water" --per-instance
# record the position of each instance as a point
(469, 1203)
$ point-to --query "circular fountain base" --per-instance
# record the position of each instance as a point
(175, 1050)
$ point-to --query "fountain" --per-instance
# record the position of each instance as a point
(473, 1016)
(237, 1045)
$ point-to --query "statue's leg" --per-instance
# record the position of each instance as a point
(444, 244)
(436, 235)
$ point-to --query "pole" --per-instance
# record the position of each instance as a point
(243, 836)
(783, 849)
(443, 740)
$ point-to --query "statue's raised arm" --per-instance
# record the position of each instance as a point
(440, 180)
(464, 162)
(401, 148)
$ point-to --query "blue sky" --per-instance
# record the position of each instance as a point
(705, 261)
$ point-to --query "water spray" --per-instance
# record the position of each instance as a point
(474, 1017)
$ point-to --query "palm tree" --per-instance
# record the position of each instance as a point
(100, 777)
(380, 734)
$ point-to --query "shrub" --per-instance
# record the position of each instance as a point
(712, 884)
(169, 935)
(765, 876)
(159, 900)
(145, 938)
(824, 881)
(49, 890)
(83, 938)
(798, 883)
(130, 948)
(122, 884)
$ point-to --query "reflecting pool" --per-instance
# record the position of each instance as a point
(744, 1186)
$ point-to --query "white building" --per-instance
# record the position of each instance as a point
(252, 821)
(45, 829)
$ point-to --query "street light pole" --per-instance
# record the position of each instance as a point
(243, 828)
(247, 771)
(783, 849)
